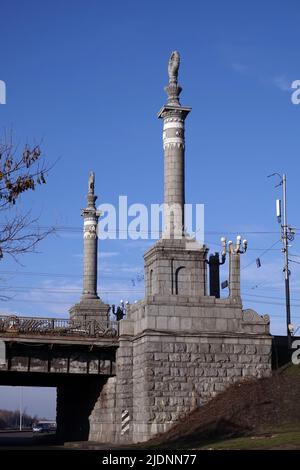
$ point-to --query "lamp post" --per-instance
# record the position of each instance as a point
(121, 309)
(214, 270)
(235, 250)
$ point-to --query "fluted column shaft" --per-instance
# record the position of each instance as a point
(90, 249)
(174, 169)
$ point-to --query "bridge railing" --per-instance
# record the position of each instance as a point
(57, 326)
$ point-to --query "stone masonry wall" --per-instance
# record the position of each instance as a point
(172, 359)
(172, 269)
(174, 374)
(115, 397)
(174, 355)
(124, 384)
(103, 417)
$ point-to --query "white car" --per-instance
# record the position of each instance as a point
(44, 426)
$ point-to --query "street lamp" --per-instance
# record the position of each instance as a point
(239, 247)
(121, 309)
(234, 250)
(214, 270)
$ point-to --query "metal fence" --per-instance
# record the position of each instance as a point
(57, 326)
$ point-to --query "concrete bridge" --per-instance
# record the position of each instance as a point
(76, 357)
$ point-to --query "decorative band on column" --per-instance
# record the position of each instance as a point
(173, 142)
(90, 229)
(173, 125)
(173, 119)
(90, 221)
(91, 233)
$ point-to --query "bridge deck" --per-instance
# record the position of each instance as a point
(50, 345)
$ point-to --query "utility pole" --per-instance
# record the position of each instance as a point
(286, 234)
(284, 231)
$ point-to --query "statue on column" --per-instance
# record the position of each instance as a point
(173, 67)
(91, 182)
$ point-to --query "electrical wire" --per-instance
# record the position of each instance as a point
(268, 297)
(77, 229)
(260, 255)
(63, 275)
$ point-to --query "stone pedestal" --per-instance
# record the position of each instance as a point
(175, 355)
(90, 309)
(175, 267)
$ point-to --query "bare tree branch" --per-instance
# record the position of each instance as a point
(20, 234)
(19, 172)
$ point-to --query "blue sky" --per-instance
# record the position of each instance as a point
(86, 78)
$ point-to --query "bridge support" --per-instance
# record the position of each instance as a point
(176, 354)
(103, 418)
(75, 405)
(183, 355)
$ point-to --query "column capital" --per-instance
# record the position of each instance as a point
(87, 212)
(173, 111)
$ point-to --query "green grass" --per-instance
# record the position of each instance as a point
(284, 437)
(285, 434)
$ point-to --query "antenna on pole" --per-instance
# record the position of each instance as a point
(278, 210)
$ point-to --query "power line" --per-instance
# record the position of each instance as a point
(59, 302)
(135, 292)
(261, 254)
(64, 275)
(77, 229)
(248, 248)
(61, 291)
(267, 296)
(269, 302)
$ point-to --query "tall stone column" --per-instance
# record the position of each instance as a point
(90, 244)
(173, 115)
(90, 305)
(175, 265)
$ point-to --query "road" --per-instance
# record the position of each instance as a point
(33, 441)
(26, 439)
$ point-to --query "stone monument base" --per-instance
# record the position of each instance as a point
(90, 309)
(175, 355)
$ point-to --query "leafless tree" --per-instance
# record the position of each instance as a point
(20, 171)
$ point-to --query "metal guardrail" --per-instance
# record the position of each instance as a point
(57, 326)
